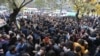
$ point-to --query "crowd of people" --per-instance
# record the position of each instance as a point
(50, 36)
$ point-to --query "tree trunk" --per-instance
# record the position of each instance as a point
(77, 18)
(13, 15)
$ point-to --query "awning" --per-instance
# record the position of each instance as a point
(71, 14)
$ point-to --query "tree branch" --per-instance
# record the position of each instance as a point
(24, 4)
(13, 1)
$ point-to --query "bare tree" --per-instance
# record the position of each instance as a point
(16, 7)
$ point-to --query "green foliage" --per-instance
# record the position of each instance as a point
(39, 3)
(82, 6)
(2, 1)
(53, 4)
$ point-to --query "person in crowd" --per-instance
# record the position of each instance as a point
(30, 45)
(50, 36)
(25, 54)
(12, 51)
(41, 52)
